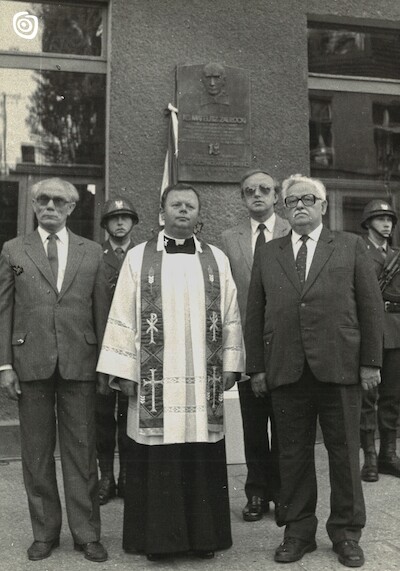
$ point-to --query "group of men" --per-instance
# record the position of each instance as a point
(314, 323)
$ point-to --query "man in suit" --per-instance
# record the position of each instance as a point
(379, 219)
(314, 336)
(259, 195)
(118, 218)
(54, 303)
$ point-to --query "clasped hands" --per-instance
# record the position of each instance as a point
(129, 388)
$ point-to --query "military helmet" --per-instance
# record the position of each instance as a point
(117, 206)
(377, 208)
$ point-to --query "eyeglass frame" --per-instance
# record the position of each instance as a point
(58, 201)
(264, 190)
(301, 199)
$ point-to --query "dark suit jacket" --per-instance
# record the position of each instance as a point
(236, 243)
(112, 264)
(335, 321)
(391, 321)
(39, 325)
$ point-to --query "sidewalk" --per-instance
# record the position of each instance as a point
(253, 543)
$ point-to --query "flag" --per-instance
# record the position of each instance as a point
(170, 175)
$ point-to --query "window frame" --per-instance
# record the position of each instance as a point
(338, 189)
(77, 174)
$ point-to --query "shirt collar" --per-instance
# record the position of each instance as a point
(378, 246)
(314, 235)
(162, 235)
(269, 224)
(114, 246)
(62, 234)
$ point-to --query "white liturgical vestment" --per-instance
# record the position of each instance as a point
(184, 355)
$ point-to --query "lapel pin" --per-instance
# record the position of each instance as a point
(17, 270)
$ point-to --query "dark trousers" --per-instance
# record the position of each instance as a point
(74, 402)
(296, 407)
(261, 451)
(385, 397)
(109, 421)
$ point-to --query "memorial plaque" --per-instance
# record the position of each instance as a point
(213, 103)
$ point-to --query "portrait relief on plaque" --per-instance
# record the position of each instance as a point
(213, 102)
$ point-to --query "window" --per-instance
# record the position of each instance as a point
(353, 51)
(354, 118)
(321, 145)
(52, 107)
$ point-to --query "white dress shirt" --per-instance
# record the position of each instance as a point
(62, 250)
(311, 244)
(268, 231)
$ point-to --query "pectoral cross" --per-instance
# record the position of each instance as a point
(214, 327)
(153, 384)
(152, 326)
(214, 380)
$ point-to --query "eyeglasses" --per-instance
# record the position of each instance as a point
(265, 190)
(306, 199)
(58, 201)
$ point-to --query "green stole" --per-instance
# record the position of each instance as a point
(151, 408)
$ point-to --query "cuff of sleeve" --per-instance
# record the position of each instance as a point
(6, 367)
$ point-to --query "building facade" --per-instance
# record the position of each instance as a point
(84, 88)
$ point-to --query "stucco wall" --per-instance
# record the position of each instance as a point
(267, 37)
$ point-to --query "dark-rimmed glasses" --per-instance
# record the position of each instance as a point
(306, 199)
(58, 201)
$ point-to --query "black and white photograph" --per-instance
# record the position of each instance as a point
(199, 285)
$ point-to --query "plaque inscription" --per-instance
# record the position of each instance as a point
(214, 122)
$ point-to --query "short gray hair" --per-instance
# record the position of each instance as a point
(67, 188)
(317, 184)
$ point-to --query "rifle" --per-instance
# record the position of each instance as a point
(389, 271)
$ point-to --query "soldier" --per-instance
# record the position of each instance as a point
(119, 217)
(379, 219)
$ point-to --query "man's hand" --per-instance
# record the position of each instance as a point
(229, 379)
(370, 377)
(103, 387)
(259, 384)
(127, 387)
(10, 382)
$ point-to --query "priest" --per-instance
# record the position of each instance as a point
(173, 343)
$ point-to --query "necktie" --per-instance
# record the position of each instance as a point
(171, 247)
(119, 252)
(382, 251)
(52, 254)
(261, 236)
(301, 260)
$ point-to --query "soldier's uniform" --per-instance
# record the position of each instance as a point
(381, 406)
(111, 410)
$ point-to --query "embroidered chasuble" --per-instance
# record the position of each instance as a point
(173, 327)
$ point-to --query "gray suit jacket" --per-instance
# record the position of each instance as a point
(40, 326)
(236, 243)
